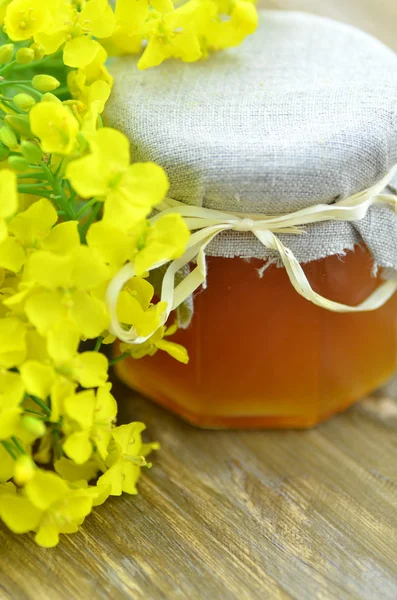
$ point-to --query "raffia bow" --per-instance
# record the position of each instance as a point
(206, 224)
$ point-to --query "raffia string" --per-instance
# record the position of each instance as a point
(207, 224)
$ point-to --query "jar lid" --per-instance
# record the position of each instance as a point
(303, 113)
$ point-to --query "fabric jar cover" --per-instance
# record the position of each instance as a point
(305, 112)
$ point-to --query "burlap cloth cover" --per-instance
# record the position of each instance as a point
(305, 112)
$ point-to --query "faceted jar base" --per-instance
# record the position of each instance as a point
(261, 356)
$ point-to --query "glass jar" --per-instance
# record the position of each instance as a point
(262, 356)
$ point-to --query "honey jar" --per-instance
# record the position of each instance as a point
(281, 159)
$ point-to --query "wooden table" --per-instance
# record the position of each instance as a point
(248, 515)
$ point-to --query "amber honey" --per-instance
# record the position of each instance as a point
(263, 356)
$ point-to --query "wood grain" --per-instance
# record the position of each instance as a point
(247, 515)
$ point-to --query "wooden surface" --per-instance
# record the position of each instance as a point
(247, 515)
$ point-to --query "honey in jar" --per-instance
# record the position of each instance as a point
(263, 356)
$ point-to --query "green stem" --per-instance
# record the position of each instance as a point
(91, 218)
(29, 90)
(87, 205)
(10, 104)
(10, 449)
(18, 445)
(16, 82)
(48, 61)
(60, 192)
(40, 193)
(98, 344)
(57, 443)
(114, 361)
(27, 187)
(34, 412)
(42, 405)
(62, 90)
(32, 176)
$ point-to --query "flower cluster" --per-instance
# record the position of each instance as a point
(73, 211)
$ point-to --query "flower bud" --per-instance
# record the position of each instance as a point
(33, 425)
(24, 56)
(25, 470)
(4, 152)
(39, 51)
(51, 98)
(31, 152)
(8, 137)
(6, 53)
(45, 83)
(24, 101)
(18, 163)
(20, 124)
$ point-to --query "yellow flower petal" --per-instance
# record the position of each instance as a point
(46, 489)
(62, 342)
(78, 447)
(55, 126)
(80, 407)
(175, 350)
(47, 536)
(166, 239)
(34, 224)
(89, 314)
(18, 513)
(80, 52)
(63, 238)
(37, 378)
(100, 16)
(44, 310)
(90, 369)
(12, 342)
(68, 470)
(12, 255)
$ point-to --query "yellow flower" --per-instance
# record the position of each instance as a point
(114, 247)
(30, 230)
(55, 126)
(126, 457)
(11, 396)
(127, 36)
(7, 465)
(157, 342)
(65, 367)
(93, 83)
(26, 18)
(97, 18)
(145, 245)
(72, 472)
(48, 506)
(129, 191)
(166, 238)
(172, 35)
(92, 417)
(8, 199)
(219, 33)
(134, 310)
(97, 92)
(62, 285)
(36, 228)
(59, 29)
(12, 342)
(75, 29)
